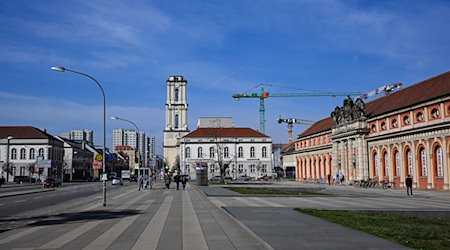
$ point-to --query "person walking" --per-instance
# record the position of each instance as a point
(167, 180)
(183, 181)
(329, 179)
(177, 181)
(141, 182)
(408, 183)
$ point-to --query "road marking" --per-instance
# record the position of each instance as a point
(149, 238)
(39, 197)
(2, 204)
(19, 201)
(104, 240)
(247, 202)
(264, 201)
(193, 237)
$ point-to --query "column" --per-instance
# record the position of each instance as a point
(429, 165)
(334, 165)
(445, 166)
(359, 161)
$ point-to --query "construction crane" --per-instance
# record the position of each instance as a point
(291, 121)
(386, 89)
(264, 95)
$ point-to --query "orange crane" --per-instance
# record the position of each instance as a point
(291, 121)
(264, 95)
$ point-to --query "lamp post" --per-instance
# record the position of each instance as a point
(62, 69)
(7, 158)
(138, 152)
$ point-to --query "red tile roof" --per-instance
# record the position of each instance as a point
(123, 148)
(224, 132)
(24, 132)
(435, 87)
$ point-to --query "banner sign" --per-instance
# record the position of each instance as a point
(97, 165)
(44, 163)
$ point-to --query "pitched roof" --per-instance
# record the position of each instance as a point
(435, 87)
(24, 132)
(224, 132)
(123, 148)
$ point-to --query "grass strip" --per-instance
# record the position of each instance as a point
(419, 232)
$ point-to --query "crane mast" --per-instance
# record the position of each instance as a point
(264, 95)
(290, 122)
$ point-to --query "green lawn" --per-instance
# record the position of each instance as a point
(271, 191)
(412, 231)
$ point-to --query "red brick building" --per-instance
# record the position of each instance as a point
(404, 133)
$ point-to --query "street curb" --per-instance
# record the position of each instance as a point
(26, 192)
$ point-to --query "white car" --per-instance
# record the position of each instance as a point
(117, 181)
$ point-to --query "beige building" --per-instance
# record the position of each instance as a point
(404, 133)
(176, 119)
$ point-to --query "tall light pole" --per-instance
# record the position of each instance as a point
(138, 152)
(7, 158)
(62, 69)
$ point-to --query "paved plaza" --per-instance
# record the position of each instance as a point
(212, 217)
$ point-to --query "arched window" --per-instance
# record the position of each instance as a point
(41, 152)
(394, 123)
(423, 161)
(32, 154)
(14, 154)
(406, 120)
(188, 152)
(176, 121)
(177, 94)
(386, 165)
(419, 117)
(226, 153)
(438, 152)
(435, 113)
(211, 152)
(264, 152)
(200, 152)
(409, 163)
(23, 154)
(252, 152)
(397, 163)
(240, 152)
(377, 164)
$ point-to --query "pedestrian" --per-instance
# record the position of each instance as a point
(183, 181)
(167, 180)
(141, 182)
(320, 181)
(2, 181)
(177, 181)
(408, 183)
(342, 178)
(329, 179)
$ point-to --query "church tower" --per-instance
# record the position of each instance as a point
(176, 119)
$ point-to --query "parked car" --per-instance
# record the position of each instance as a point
(24, 179)
(51, 182)
(215, 178)
(265, 178)
(117, 181)
(243, 178)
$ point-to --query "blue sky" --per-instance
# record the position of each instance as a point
(221, 48)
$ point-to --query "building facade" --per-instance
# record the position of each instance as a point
(404, 133)
(80, 135)
(29, 151)
(176, 125)
(239, 151)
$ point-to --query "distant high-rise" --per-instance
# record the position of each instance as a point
(79, 135)
(130, 137)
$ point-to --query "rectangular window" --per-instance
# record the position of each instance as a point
(241, 168)
(264, 168)
(252, 168)
(22, 171)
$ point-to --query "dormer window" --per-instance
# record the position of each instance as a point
(420, 117)
(435, 113)
(394, 123)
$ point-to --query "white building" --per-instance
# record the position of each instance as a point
(79, 135)
(29, 151)
(176, 119)
(240, 151)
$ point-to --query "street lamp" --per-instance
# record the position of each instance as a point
(137, 141)
(62, 69)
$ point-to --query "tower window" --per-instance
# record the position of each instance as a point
(176, 121)
(177, 94)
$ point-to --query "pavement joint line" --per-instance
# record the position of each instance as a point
(21, 234)
(71, 235)
(226, 213)
(106, 239)
(193, 237)
(149, 238)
